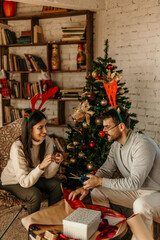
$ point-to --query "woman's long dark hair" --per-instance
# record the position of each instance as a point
(26, 137)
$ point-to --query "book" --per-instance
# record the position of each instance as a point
(29, 65)
(26, 33)
(73, 38)
(4, 39)
(73, 28)
(5, 62)
(7, 114)
(66, 90)
(37, 34)
(11, 64)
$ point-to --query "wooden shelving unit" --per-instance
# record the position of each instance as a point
(35, 21)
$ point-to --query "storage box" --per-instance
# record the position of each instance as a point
(82, 223)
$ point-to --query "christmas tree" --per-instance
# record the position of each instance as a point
(87, 144)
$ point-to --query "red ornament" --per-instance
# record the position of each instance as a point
(98, 77)
(84, 146)
(9, 8)
(92, 144)
(110, 66)
(102, 133)
(91, 98)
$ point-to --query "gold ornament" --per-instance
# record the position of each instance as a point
(89, 166)
(81, 154)
(70, 147)
(103, 102)
(72, 160)
(121, 90)
(65, 163)
(98, 121)
(85, 125)
(94, 74)
(75, 143)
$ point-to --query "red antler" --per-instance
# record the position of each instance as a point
(34, 100)
(113, 86)
(111, 91)
(47, 94)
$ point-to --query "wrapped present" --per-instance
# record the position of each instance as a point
(51, 235)
(40, 236)
(82, 223)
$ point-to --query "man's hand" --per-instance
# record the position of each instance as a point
(92, 182)
(78, 191)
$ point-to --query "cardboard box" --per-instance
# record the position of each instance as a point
(82, 223)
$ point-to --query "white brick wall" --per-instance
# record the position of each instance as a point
(133, 30)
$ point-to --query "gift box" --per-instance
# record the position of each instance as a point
(82, 223)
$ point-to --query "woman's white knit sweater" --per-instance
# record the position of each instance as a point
(17, 170)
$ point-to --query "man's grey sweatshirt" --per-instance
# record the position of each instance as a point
(138, 160)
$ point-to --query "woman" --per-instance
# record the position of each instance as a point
(32, 164)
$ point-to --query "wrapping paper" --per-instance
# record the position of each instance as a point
(138, 228)
(54, 215)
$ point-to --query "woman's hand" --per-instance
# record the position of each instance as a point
(47, 161)
(59, 158)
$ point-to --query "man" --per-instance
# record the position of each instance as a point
(138, 159)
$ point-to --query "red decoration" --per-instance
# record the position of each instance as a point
(92, 144)
(9, 8)
(110, 66)
(91, 98)
(111, 90)
(102, 133)
(84, 146)
(98, 77)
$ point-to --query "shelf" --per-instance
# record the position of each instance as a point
(48, 15)
(50, 99)
(43, 44)
(57, 126)
(58, 71)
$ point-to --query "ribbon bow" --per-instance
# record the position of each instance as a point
(83, 112)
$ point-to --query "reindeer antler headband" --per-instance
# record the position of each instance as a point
(111, 90)
(45, 96)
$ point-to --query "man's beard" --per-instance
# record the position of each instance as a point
(114, 139)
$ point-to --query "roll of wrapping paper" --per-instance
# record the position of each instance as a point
(139, 228)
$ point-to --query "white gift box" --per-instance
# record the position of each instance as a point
(82, 223)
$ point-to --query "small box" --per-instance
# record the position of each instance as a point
(82, 223)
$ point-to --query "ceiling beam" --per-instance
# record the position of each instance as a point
(93, 5)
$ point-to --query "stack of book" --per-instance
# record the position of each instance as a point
(11, 114)
(31, 89)
(73, 33)
(71, 93)
(14, 87)
(28, 63)
(17, 63)
(24, 38)
(6, 35)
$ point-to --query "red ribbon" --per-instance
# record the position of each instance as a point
(106, 230)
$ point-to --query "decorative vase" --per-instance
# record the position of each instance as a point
(55, 60)
(9, 8)
(81, 58)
